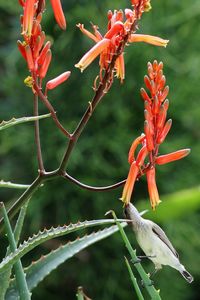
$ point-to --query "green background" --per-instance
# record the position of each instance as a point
(100, 157)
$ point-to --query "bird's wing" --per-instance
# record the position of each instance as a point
(160, 233)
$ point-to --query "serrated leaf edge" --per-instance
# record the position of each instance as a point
(45, 235)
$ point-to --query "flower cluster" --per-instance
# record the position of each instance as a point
(120, 31)
(34, 49)
(156, 129)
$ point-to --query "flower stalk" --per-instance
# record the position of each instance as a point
(156, 129)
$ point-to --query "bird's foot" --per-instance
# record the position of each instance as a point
(137, 261)
(146, 256)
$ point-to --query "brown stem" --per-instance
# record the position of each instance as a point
(23, 198)
(83, 122)
(100, 92)
(51, 110)
(93, 188)
(72, 137)
(37, 136)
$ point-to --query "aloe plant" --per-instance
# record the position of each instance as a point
(38, 270)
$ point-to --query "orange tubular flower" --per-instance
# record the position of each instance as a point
(92, 54)
(156, 129)
(29, 11)
(44, 68)
(136, 142)
(149, 39)
(130, 182)
(119, 29)
(35, 51)
(152, 188)
(58, 13)
(29, 58)
(164, 159)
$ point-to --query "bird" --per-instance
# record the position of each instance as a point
(154, 242)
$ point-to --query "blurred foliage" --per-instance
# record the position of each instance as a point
(100, 157)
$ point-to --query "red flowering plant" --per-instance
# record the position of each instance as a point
(156, 129)
(122, 26)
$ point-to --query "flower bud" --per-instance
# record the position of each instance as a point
(167, 158)
(52, 84)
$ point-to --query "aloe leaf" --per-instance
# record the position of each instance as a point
(19, 271)
(134, 280)
(14, 121)
(5, 276)
(38, 270)
(10, 185)
(46, 235)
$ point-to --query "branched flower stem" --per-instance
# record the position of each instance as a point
(100, 92)
(60, 172)
(46, 102)
(37, 136)
(93, 188)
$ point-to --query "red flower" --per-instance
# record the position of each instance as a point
(53, 83)
(119, 25)
(35, 51)
(156, 129)
(58, 13)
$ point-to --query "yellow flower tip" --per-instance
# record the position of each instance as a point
(124, 204)
(79, 25)
(155, 204)
(165, 43)
(147, 7)
(124, 200)
(28, 81)
(80, 66)
(24, 43)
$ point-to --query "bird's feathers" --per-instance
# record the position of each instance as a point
(160, 233)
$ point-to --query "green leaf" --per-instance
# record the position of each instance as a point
(5, 276)
(38, 270)
(134, 280)
(14, 121)
(18, 268)
(10, 185)
(46, 235)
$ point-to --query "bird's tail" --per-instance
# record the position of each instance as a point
(187, 276)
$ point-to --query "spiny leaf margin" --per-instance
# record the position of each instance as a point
(49, 262)
(46, 235)
(16, 121)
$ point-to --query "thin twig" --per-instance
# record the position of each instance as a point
(100, 92)
(93, 188)
(37, 136)
(51, 110)
(23, 198)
